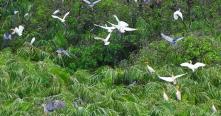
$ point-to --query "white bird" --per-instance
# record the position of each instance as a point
(32, 41)
(173, 41)
(122, 23)
(213, 109)
(106, 40)
(109, 29)
(18, 30)
(171, 79)
(177, 14)
(150, 69)
(191, 66)
(91, 4)
(61, 19)
(178, 95)
(56, 11)
(165, 96)
(122, 28)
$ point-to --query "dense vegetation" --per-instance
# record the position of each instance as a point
(113, 79)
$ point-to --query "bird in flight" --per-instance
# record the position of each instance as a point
(106, 40)
(61, 19)
(122, 26)
(171, 79)
(177, 14)
(91, 4)
(171, 40)
(18, 30)
(191, 66)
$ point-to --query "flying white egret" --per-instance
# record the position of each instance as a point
(171, 79)
(121, 28)
(121, 23)
(91, 4)
(109, 29)
(53, 105)
(173, 41)
(106, 40)
(165, 96)
(178, 95)
(177, 14)
(61, 19)
(32, 41)
(191, 66)
(213, 108)
(18, 30)
(150, 69)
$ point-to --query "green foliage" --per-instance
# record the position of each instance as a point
(113, 79)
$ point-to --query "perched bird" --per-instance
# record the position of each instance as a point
(61, 51)
(91, 4)
(191, 66)
(177, 14)
(109, 29)
(171, 79)
(7, 36)
(173, 41)
(32, 41)
(61, 19)
(165, 96)
(106, 40)
(53, 105)
(213, 109)
(150, 69)
(178, 94)
(18, 30)
(56, 11)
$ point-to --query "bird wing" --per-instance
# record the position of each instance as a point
(108, 37)
(99, 38)
(177, 76)
(129, 29)
(198, 64)
(115, 16)
(66, 15)
(32, 40)
(178, 13)
(86, 1)
(21, 28)
(186, 64)
(112, 24)
(168, 79)
(56, 11)
(95, 2)
(168, 38)
(150, 69)
(178, 39)
(56, 17)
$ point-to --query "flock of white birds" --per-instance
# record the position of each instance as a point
(121, 27)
